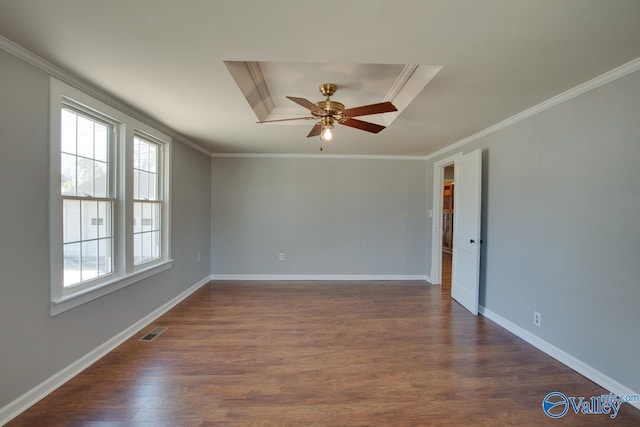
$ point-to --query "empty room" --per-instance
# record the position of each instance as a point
(401, 213)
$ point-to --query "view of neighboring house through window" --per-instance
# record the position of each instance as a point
(147, 208)
(87, 197)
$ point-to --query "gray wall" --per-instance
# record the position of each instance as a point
(561, 226)
(33, 345)
(329, 216)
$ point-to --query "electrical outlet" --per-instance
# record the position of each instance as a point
(198, 257)
(281, 256)
(537, 318)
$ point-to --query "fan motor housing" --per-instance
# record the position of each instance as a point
(330, 107)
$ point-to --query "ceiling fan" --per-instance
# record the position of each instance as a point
(328, 112)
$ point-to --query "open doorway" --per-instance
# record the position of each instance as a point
(448, 188)
(464, 271)
(441, 253)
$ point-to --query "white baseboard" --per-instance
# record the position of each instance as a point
(40, 391)
(345, 277)
(572, 362)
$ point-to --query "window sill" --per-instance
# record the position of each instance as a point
(73, 300)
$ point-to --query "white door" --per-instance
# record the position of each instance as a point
(465, 268)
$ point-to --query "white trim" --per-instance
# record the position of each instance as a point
(560, 355)
(101, 94)
(436, 223)
(22, 403)
(409, 84)
(601, 80)
(74, 300)
(324, 277)
(318, 156)
(260, 84)
(400, 82)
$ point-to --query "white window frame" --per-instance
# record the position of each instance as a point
(121, 151)
(111, 162)
(161, 192)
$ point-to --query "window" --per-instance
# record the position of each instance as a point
(147, 206)
(87, 197)
(109, 220)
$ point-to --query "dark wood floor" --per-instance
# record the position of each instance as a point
(317, 353)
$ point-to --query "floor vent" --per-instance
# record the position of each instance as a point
(153, 334)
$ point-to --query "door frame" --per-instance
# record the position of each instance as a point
(436, 223)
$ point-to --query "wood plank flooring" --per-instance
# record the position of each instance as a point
(446, 271)
(319, 353)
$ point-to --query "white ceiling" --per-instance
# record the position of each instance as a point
(166, 58)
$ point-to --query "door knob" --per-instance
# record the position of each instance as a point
(472, 241)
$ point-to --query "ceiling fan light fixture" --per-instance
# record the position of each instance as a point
(327, 125)
(326, 133)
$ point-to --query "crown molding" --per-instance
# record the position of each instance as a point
(90, 89)
(315, 156)
(260, 84)
(402, 79)
(408, 85)
(581, 89)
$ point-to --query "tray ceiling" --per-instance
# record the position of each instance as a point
(265, 86)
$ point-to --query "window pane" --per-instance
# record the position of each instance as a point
(85, 177)
(136, 153)
(137, 249)
(156, 239)
(137, 217)
(155, 215)
(68, 175)
(89, 260)
(89, 219)
(144, 156)
(147, 217)
(146, 170)
(153, 158)
(104, 219)
(143, 186)
(85, 137)
(71, 221)
(153, 184)
(136, 185)
(71, 272)
(101, 145)
(68, 132)
(101, 179)
(105, 256)
(147, 247)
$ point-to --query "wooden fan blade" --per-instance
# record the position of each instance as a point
(365, 110)
(286, 120)
(362, 125)
(315, 130)
(308, 105)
